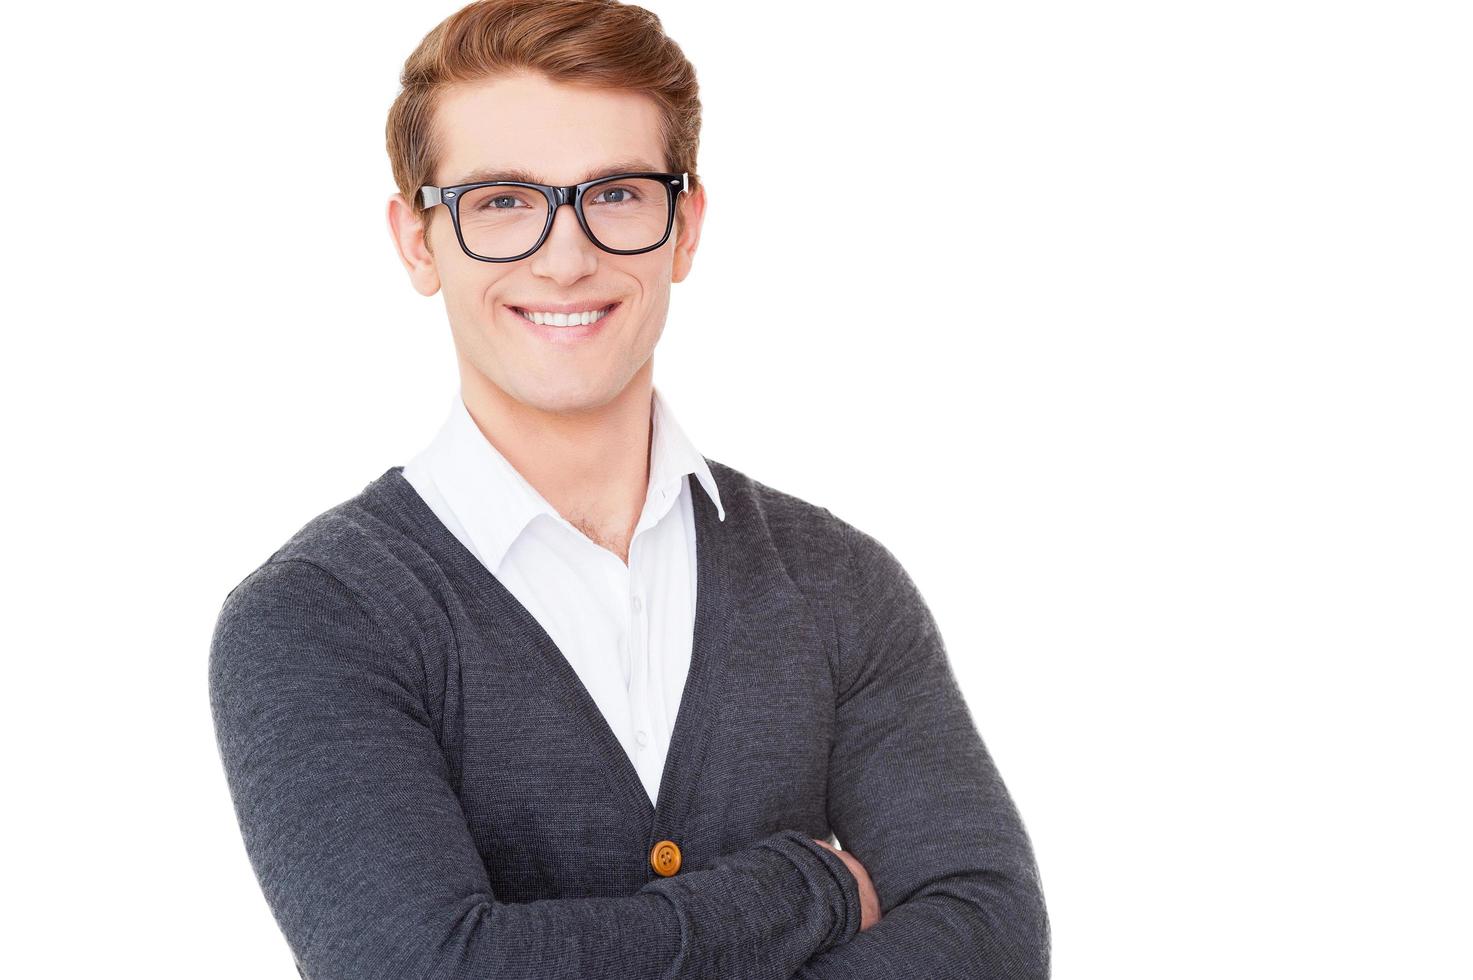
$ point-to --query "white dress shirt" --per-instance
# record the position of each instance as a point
(626, 629)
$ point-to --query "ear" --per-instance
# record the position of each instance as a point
(409, 238)
(691, 211)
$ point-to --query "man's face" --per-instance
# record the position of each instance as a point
(559, 134)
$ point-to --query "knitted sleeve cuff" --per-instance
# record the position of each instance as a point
(842, 886)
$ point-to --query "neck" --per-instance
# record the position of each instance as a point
(591, 464)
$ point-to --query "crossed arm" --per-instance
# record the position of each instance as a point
(365, 856)
(914, 795)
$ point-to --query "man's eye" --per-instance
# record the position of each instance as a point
(623, 195)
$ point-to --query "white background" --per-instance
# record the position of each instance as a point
(1138, 331)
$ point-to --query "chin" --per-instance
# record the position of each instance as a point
(566, 395)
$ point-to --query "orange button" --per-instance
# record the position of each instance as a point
(665, 858)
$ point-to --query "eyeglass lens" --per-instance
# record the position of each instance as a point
(502, 221)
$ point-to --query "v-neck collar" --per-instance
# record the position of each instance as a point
(694, 719)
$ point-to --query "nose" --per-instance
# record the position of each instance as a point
(566, 219)
(567, 254)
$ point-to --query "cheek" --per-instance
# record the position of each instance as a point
(475, 300)
(654, 283)
(473, 311)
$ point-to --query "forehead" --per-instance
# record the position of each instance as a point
(556, 132)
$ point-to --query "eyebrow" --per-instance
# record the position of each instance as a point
(513, 173)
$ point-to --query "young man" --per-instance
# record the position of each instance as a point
(561, 697)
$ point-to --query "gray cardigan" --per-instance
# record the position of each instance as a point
(425, 789)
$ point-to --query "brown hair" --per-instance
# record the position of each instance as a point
(598, 43)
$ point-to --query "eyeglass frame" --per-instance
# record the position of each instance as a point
(557, 196)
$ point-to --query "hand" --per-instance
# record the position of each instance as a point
(869, 899)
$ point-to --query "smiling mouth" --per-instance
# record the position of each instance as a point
(564, 319)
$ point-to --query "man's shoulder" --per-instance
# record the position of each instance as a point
(359, 542)
(816, 545)
(346, 537)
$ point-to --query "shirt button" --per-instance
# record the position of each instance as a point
(641, 738)
(638, 604)
(665, 858)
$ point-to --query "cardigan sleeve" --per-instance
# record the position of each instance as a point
(364, 855)
(914, 794)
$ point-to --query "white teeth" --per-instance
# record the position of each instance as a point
(565, 319)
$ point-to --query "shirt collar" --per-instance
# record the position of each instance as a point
(494, 502)
(672, 455)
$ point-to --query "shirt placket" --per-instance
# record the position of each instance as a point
(639, 664)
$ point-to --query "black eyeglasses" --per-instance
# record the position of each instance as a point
(507, 220)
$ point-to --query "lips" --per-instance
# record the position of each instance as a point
(571, 334)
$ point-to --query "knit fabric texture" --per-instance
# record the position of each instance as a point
(426, 790)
